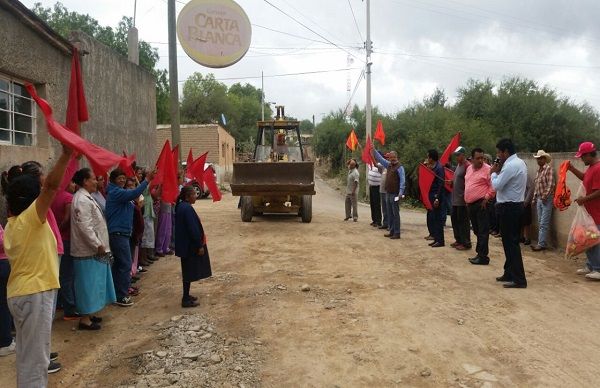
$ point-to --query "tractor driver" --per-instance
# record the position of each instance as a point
(281, 147)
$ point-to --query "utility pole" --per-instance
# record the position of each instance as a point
(369, 49)
(173, 85)
(262, 93)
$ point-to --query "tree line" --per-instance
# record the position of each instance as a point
(534, 116)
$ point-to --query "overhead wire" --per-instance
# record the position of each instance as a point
(360, 77)
(355, 22)
(285, 74)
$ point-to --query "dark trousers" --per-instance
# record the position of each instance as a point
(393, 214)
(438, 217)
(493, 217)
(480, 221)
(384, 211)
(66, 294)
(375, 202)
(509, 214)
(5, 317)
(121, 269)
(460, 225)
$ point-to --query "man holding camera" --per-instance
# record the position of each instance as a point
(509, 178)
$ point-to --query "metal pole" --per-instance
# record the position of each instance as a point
(369, 48)
(134, 11)
(173, 85)
(262, 93)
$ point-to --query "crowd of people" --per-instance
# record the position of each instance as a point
(80, 246)
(485, 197)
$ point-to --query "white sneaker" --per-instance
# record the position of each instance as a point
(583, 271)
(595, 275)
(7, 350)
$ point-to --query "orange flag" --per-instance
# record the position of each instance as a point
(366, 154)
(379, 134)
(352, 141)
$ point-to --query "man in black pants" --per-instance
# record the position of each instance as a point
(509, 177)
(374, 179)
(437, 199)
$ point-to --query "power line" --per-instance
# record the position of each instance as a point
(355, 22)
(360, 77)
(311, 30)
(286, 74)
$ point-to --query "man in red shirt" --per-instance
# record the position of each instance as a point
(591, 200)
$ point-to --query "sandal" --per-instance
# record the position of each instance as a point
(91, 326)
(95, 319)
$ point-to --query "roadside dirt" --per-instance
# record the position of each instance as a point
(378, 313)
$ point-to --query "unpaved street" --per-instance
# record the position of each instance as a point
(378, 313)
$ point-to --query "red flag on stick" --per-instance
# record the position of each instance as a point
(366, 154)
(379, 134)
(101, 159)
(449, 177)
(454, 143)
(352, 141)
(76, 112)
(166, 175)
(197, 169)
(209, 179)
(188, 165)
(426, 177)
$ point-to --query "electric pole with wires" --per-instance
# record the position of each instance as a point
(369, 48)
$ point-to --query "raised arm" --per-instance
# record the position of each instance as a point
(380, 159)
(578, 173)
(52, 184)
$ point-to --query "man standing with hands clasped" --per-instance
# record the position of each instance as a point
(509, 177)
(352, 191)
(394, 187)
(591, 182)
(542, 197)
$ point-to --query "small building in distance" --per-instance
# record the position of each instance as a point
(201, 138)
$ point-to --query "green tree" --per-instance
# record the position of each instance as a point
(63, 21)
(306, 126)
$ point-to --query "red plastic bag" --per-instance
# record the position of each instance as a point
(584, 233)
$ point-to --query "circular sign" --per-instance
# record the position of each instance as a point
(214, 33)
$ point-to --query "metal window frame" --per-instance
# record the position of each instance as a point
(11, 113)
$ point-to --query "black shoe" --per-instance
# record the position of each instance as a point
(538, 248)
(53, 356)
(479, 261)
(503, 278)
(373, 224)
(186, 303)
(91, 326)
(346, 219)
(395, 237)
(515, 285)
(53, 367)
(191, 297)
(388, 235)
(383, 227)
(527, 242)
(438, 245)
(432, 243)
(95, 319)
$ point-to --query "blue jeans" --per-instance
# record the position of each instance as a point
(393, 214)
(5, 317)
(66, 294)
(384, 211)
(121, 269)
(593, 257)
(544, 212)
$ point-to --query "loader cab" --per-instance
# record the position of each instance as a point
(278, 140)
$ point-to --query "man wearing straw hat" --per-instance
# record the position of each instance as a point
(542, 197)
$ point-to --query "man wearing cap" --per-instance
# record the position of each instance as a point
(591, 200)
(459, 215)
(394, 187)
(542, 197)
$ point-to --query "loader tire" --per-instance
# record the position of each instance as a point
(306, 210)
(247, 209)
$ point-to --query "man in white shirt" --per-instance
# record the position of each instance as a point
(374, 179)
(509, 178)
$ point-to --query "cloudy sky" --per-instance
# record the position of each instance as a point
(418, 45)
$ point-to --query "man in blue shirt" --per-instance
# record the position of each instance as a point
(437, 193)
(394, 186)
(509, 178)
(119, 217)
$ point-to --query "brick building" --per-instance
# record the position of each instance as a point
(201, 138)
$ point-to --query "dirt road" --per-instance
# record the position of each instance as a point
(378, 313)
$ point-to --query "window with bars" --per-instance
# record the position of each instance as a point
(17, 113)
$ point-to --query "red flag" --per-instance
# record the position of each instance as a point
(197, 169)
(426, 177)
(379, 134)
(101, 159)
(352, 141)
(209, 179)
(127, 165)
(366, 154)
(76, 112)
(166, 175)
(454, 143)
(188, 165)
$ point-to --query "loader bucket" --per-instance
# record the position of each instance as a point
(256, 178)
